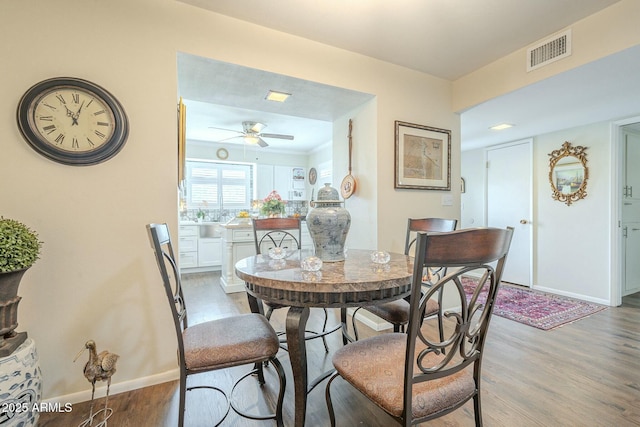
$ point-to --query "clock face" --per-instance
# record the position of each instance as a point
(72, 121)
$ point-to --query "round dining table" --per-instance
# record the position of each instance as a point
(354, 282)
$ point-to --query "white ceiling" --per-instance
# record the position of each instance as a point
(223, 95)
(476, 33)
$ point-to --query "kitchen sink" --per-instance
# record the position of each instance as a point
(208, 231)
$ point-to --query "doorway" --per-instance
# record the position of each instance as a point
(509, 195)
(630, 212)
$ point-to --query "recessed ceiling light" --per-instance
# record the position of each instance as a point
(501, 126)
(277, 96)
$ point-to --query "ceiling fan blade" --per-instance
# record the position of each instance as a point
(230, 138)
(228, 130)
(276, 135)
(262, 142)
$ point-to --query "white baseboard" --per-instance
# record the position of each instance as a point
(573, 295)
(371, 320)
(84, 396)
(230, 288)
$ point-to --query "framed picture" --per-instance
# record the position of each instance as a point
(422, 157)
(569, 177)
(298, 175)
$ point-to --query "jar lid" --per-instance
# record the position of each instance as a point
(328, 194)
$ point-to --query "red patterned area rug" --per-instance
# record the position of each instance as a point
(534, 308)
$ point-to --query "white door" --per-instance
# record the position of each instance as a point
(631, 214)
(509, 175)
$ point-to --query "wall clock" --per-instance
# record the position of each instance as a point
(222, 153)
(72, 121)
(313, 175)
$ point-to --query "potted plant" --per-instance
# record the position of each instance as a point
(19, 249)
(272, 205)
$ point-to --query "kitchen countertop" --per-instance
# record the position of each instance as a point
(238, 223)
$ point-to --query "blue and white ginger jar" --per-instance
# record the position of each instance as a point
(328, 224)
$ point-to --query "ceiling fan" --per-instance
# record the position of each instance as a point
(252, 133)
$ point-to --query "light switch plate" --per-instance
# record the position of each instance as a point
(447, 200)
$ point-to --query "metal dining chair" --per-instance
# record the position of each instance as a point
(284, 234)
(397, 312)
(217, 344)
(416, 377)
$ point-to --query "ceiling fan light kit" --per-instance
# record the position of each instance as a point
(250, 139)
(253, 127)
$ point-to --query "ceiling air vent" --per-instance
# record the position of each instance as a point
(549, 50)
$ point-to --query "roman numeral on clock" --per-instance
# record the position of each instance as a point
(49, 129)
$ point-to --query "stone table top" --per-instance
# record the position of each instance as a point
(352, 282)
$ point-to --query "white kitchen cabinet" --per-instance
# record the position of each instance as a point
(210, 252)
(264, 181)
(197, 253)
(188, 246)
(282, 180)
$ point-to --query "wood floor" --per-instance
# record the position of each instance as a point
(583, 374)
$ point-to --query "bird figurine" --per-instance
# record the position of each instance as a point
(100, 367)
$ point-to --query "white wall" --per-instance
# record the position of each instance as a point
(571, 243)
(364, 231)
(97, 277)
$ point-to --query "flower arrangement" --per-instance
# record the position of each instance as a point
(19, 246)
(272, 204)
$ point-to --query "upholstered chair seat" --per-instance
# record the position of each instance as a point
(381, 377)
(397, 312)
(256, 342)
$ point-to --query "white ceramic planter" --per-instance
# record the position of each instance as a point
(20, 386)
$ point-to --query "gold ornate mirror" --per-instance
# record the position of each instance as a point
(568, 173)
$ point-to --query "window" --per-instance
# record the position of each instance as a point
(218, 185)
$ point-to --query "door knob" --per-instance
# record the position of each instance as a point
(523, 221)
